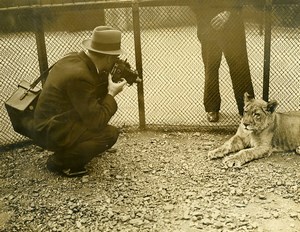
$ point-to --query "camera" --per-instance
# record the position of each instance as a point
(122, 69)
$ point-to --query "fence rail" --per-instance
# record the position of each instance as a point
(161, 38)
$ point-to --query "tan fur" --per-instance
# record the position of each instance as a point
(261, 132)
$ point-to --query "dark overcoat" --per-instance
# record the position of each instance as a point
(74, 99)
(206, 10)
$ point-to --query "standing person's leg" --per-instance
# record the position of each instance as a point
(88, 145)
(235, 52)
(211, 56)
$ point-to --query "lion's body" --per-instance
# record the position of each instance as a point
(261, 132)
(286, 134)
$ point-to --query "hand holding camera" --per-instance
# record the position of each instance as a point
(115, 87)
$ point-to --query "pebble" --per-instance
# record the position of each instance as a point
(219, 225)
(136, 222)
(262, 197)
(78, 224)
(206, 221)
(240, 205)
(267, 215)
(197, 213)
(186, 215)
(168, 207)
(294, 215)
(275, 214)
(119, 177)
(85, 179)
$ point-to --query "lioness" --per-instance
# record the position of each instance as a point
(261, 132)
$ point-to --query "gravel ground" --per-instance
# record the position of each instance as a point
(156, 181)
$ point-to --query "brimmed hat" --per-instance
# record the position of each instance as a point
(105, 40)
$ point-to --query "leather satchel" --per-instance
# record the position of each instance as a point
(21, 105)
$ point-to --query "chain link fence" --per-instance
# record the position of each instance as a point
(162, 42)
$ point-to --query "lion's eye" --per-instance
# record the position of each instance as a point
(257, 115)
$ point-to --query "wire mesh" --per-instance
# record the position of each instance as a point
(285, 64)
(173, 72)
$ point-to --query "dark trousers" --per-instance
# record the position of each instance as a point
(88, 145)
(231, 42)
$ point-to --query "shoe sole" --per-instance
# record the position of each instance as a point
(69, 173)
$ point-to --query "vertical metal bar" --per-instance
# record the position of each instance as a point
(267, 49)
(138, 60)
(40, 42)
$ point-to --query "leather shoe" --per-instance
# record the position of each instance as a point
(213, 116)
(55, 166)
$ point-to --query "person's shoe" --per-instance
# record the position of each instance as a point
(55, 166)
(213, 116)
(112, 150)
(75, 172)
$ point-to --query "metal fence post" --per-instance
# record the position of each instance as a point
(267, 49)
(138, 60)
(40, 42)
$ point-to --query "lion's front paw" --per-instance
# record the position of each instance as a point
(215, 154)
(232, 161)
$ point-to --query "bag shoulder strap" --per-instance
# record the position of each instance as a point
(36, 81)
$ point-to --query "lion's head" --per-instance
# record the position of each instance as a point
(258, 114)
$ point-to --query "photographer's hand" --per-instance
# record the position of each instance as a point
(115, 88)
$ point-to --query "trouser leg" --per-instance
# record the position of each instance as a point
(233, 43)
(211, 56)
(88, 145)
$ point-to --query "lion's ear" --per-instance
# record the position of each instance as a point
(272, 105)
(247, 97)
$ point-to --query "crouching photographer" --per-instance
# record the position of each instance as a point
(77, 102)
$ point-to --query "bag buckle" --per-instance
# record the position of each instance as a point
(24, 94)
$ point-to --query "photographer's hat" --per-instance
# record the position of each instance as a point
(105, 40)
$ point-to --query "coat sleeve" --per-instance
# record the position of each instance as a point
(231, 3)
(93, 113)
